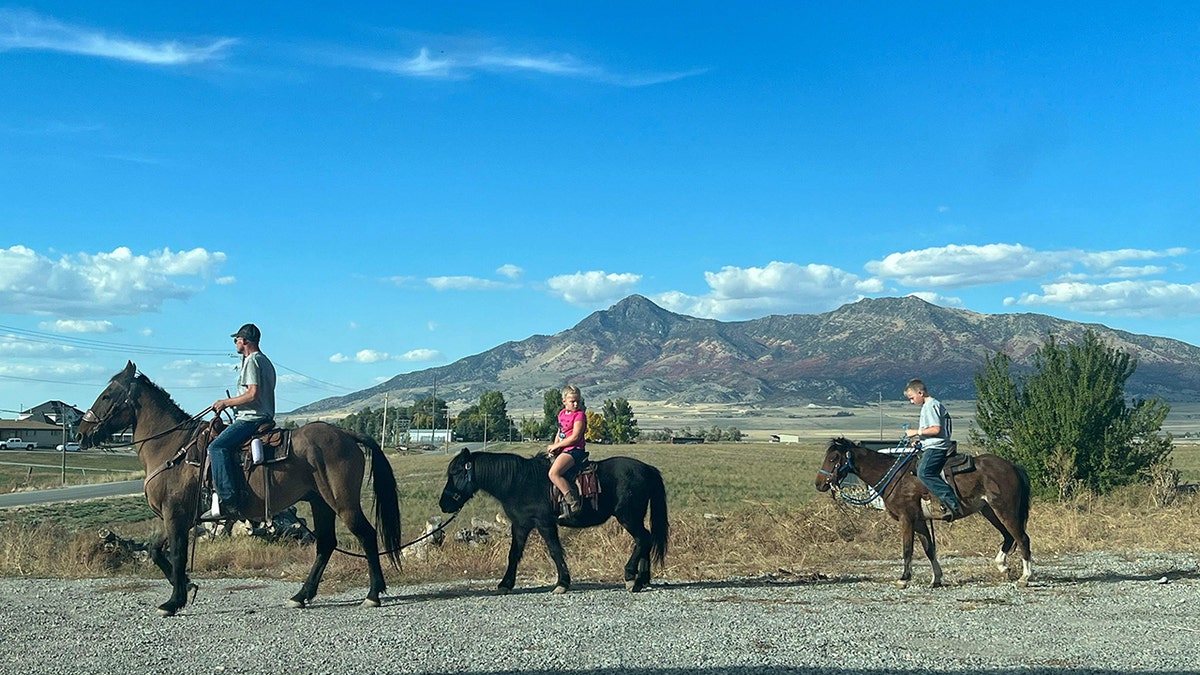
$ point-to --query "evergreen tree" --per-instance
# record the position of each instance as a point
(620, 426)
(1067, 422)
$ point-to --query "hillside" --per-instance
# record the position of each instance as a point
(640, 351)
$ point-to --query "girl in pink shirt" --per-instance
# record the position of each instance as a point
(569, 448)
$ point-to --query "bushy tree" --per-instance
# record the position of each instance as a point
(1067, 422)
(620, 426)
(551, 404)
(488, 420)
(595, 428)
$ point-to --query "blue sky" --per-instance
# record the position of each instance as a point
(388, 187)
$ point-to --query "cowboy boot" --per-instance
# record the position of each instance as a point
(571, 500)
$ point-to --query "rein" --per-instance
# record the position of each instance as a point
(873, 491)
(418, 540)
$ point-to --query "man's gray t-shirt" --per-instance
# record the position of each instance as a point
(257, 369)
(934, 414)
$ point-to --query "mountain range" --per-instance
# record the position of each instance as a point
(851, 355)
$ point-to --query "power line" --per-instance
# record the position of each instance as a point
(40, 337)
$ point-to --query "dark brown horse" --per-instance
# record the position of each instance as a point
(997, 489)
(326, 469)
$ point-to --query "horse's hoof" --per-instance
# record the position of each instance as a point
(559, 590)
(165, 612)
(901, 583)
(631, 586)
(935, 584)
(1022, 583)
(370, 602)
(503, 590)
(296, 604)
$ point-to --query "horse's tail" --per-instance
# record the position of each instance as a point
(387, 499)
(660, 527)
(1026, 495)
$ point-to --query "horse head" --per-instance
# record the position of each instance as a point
(839, 462)
(115, 409)
(460, 482)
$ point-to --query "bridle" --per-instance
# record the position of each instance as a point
(128, 402)
(843, 469)
(840, 471)
(461, 493)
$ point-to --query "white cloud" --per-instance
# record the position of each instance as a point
(510, 271)
(776, 288)
(464, 61)
(226, 281)
(79, 326)
(375, 356)
(594, 287)
(960, 266)
(26, 30)
(957, 266)
(15, 347)
(1143, 299)
(465, 284)
(84, 284)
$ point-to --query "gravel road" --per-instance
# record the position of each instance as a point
(1096, 612)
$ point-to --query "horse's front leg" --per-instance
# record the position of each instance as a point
(554, 544)
(516, 549)
(173, 563)
(921, 527)
(326, 532)
(906, 539)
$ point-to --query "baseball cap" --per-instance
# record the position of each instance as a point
(248, 332)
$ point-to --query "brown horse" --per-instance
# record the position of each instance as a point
(326, 469)
(996, 488)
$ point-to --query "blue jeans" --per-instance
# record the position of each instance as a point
(929, 471)
(224, 453)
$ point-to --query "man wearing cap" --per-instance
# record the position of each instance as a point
(254, 404)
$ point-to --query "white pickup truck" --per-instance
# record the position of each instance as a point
(15, 444)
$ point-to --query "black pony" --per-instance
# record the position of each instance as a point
(628, 488)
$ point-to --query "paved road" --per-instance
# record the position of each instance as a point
(66, 494)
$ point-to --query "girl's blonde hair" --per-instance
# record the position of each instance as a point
(572, 390)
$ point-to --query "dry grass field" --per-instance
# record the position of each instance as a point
(737, 509)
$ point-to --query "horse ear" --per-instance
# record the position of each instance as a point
(130, 370)
(465, 452)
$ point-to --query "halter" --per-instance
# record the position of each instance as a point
(468, 487)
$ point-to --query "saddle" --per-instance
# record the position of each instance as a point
(956, 463)
(276, 446)
(584, 477)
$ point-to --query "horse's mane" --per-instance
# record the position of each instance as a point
(162, 395)
(842, 443)
(507, 468)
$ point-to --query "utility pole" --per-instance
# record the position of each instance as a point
(62, 417)
(383, 427)
(881, 415)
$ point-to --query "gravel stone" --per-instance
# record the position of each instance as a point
(1086, 613)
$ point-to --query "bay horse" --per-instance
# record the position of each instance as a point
(628, 488)
(325, 469)
(997, 489)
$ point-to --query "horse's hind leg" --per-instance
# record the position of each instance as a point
(356, 521)
(1006, 546)
(637, 568)
(323, 528)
